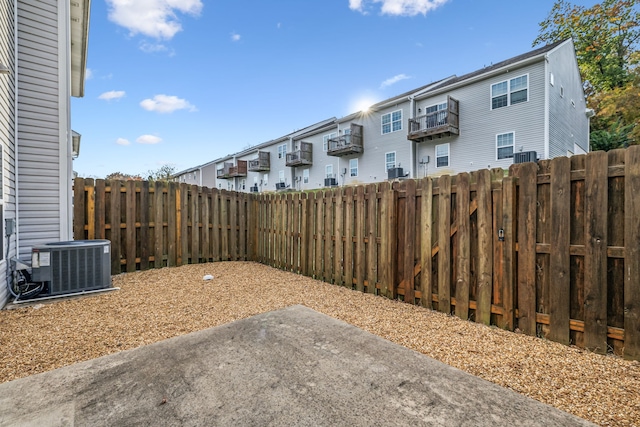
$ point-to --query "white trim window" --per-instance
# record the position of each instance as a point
(265, 179)
(243, 183)
(328, 171)
(305, 176)
(353, 167)
(510, 92)
(442, 155)
(282, 151)
(326, 138)
(391, 122)
(505, 143)
(389, 160)
(438, 119)
(281, 176)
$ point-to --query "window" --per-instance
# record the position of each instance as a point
(392, 122)
(347, 136)
(305, 176)
(328, 171)
(244, 183)
(504, 145)
(325, 140)
(552, 80)
(281, 176)
(265, 180)
(442, 155)
(510, 92)
(353, 167)
(438, 119)
(282, 151)
(390, 160)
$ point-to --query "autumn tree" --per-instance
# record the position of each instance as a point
(605, 35)
(163, 173)
(606, 38)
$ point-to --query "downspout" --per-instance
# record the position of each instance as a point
(412, 145)
(546, 106)
(64, 133)
(15, 125)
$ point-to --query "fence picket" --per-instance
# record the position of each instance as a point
(463, 237)
(632, 254)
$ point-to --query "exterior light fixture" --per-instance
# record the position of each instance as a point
(4, 69)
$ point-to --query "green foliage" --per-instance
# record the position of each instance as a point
(163, 173)
(605, 37)
(123, 176)
(617, 136)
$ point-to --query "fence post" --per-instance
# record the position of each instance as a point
(426, 242)
(79, 203)
(485, 247)
(508, 252)
(388, 240)
(463, 261)
(632, 254)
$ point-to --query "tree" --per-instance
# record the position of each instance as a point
(163, 173)
(123, 176)
(605, 36)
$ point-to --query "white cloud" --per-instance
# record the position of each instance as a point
(393, 80)
(166, 104)
(148, 139)
(147, 47)
(122, 141)
(235, 37)
(88, 74)
(399, 7)
(153, 18)
(114, 94)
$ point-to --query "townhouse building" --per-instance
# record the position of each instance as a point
(526, 108)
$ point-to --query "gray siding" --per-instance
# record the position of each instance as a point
(7, 141)
(475, 147)
(42, 112)
(568, 123)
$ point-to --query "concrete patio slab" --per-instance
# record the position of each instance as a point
(289, 367)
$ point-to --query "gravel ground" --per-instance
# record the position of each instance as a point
(158, 304)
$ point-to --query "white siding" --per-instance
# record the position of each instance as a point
(7, 141)
(42, 124)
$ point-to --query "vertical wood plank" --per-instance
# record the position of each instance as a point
(115, 216)
(243, 226)
(527, 205)
(329, 235)
(224, 225)
(130, 218)
(195, 224)
(172, 224)
(464, 247)
(559, 293)
(295, 229)
(233, 226)
(409, 238)
(304, 242)
(444, 244)
(145, 245)
(90, 201)
(372, 248)
(360, 229)
(485, 247)
(215, 225)
(319, 234)
(205, 215)
(101, 206)
(348, 233)
(79, 219)
(595, 254)
(508, 253)
(426, 243)
(632, 254)
(183, 239)
(158, 226)
(338, 261)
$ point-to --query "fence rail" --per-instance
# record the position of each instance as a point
(551, 248)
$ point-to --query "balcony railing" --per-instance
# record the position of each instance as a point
(260, 164)
(301, 157)
(345, 145)
(437, 124)
(231, 171)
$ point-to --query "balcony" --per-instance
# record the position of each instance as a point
(347, 144)
(231, 171)
(301, 157)
(260, 164)
(437, 124)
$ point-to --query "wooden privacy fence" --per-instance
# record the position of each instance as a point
(552, 248)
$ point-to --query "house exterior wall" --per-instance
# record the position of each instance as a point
(44, 134)
(7, 143)
(568, 122)
(475, 147)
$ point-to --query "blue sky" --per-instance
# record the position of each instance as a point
(183, 82)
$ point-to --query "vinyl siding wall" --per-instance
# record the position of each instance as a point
(42, 118)
(7, 140)
(568, 124)
(475, 147)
